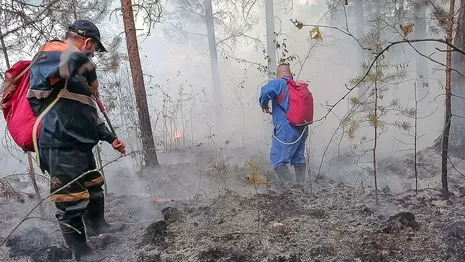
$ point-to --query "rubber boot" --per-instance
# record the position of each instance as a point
(75, 237)
(284, 174)
(300, 171)
(94, 218)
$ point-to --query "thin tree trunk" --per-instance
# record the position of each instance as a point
(445, 135)
(192, 127)
(400, 11)
(378, 8)
(375, 144)
(376, 135)
(270, 38)
(100, 163)
(5, 52)
(213, 52)
(150, 154)
(271, 52)
(421, 62)
(32, 175)
(182, 118)
(457, 132)
(415, 140)
(360, 33)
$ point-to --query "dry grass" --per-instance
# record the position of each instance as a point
(254, 174)
(7, 191)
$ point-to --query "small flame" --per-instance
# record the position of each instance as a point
(157, 198)
(177, 134)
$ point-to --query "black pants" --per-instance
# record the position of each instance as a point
(85, 194)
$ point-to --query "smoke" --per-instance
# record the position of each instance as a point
(177, 67)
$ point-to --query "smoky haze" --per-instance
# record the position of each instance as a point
(172, 60)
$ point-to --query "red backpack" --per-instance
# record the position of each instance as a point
(18, 114)
(300, 111)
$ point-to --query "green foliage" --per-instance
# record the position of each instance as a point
(382, 76)
(374, 120)
(26, 26)
(281, 49)
(355, 101)
(353, 125)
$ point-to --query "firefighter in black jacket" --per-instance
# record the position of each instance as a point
(69, 131)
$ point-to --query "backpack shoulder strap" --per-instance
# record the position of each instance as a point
(283, 93)
(36, 57)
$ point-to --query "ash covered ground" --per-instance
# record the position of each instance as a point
(199, 212)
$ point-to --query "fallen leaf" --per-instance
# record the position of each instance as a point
(315, 34)
(276, 224)
(407, 29)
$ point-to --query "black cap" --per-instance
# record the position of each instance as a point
(87, 29)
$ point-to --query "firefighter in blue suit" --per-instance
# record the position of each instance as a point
(287, 141)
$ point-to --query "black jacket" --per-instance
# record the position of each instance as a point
(73, 121)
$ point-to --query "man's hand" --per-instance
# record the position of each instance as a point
(119, 146)
(266, 110)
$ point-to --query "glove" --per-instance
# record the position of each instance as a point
(119, 146)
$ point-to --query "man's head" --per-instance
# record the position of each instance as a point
(283, 69)
(85, 36)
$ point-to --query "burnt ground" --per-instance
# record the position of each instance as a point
(330, 221)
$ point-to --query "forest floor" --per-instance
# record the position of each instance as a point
(194, 213)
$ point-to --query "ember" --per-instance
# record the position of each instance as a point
(157, 198)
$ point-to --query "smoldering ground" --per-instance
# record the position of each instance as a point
(200, 205)
(182, 216)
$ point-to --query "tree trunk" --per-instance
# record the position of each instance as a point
(100, 166)
(445, 135)
(270, 38)
(150, 154)
(360, 33)
(32, 175)
(213, 53)
(271, 52)
(5, 52)
(421, 62)
(400, 11)
(375, 144)
(457, 135)
(415, 143)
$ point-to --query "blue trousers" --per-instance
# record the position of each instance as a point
(288, 147)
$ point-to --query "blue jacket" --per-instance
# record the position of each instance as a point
(73, 122)
(288, 141)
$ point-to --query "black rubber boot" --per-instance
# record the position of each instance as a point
(283, 172)
(75, 237)
(95, 228)
(94, 217)
(285, 177)
(300, 171)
